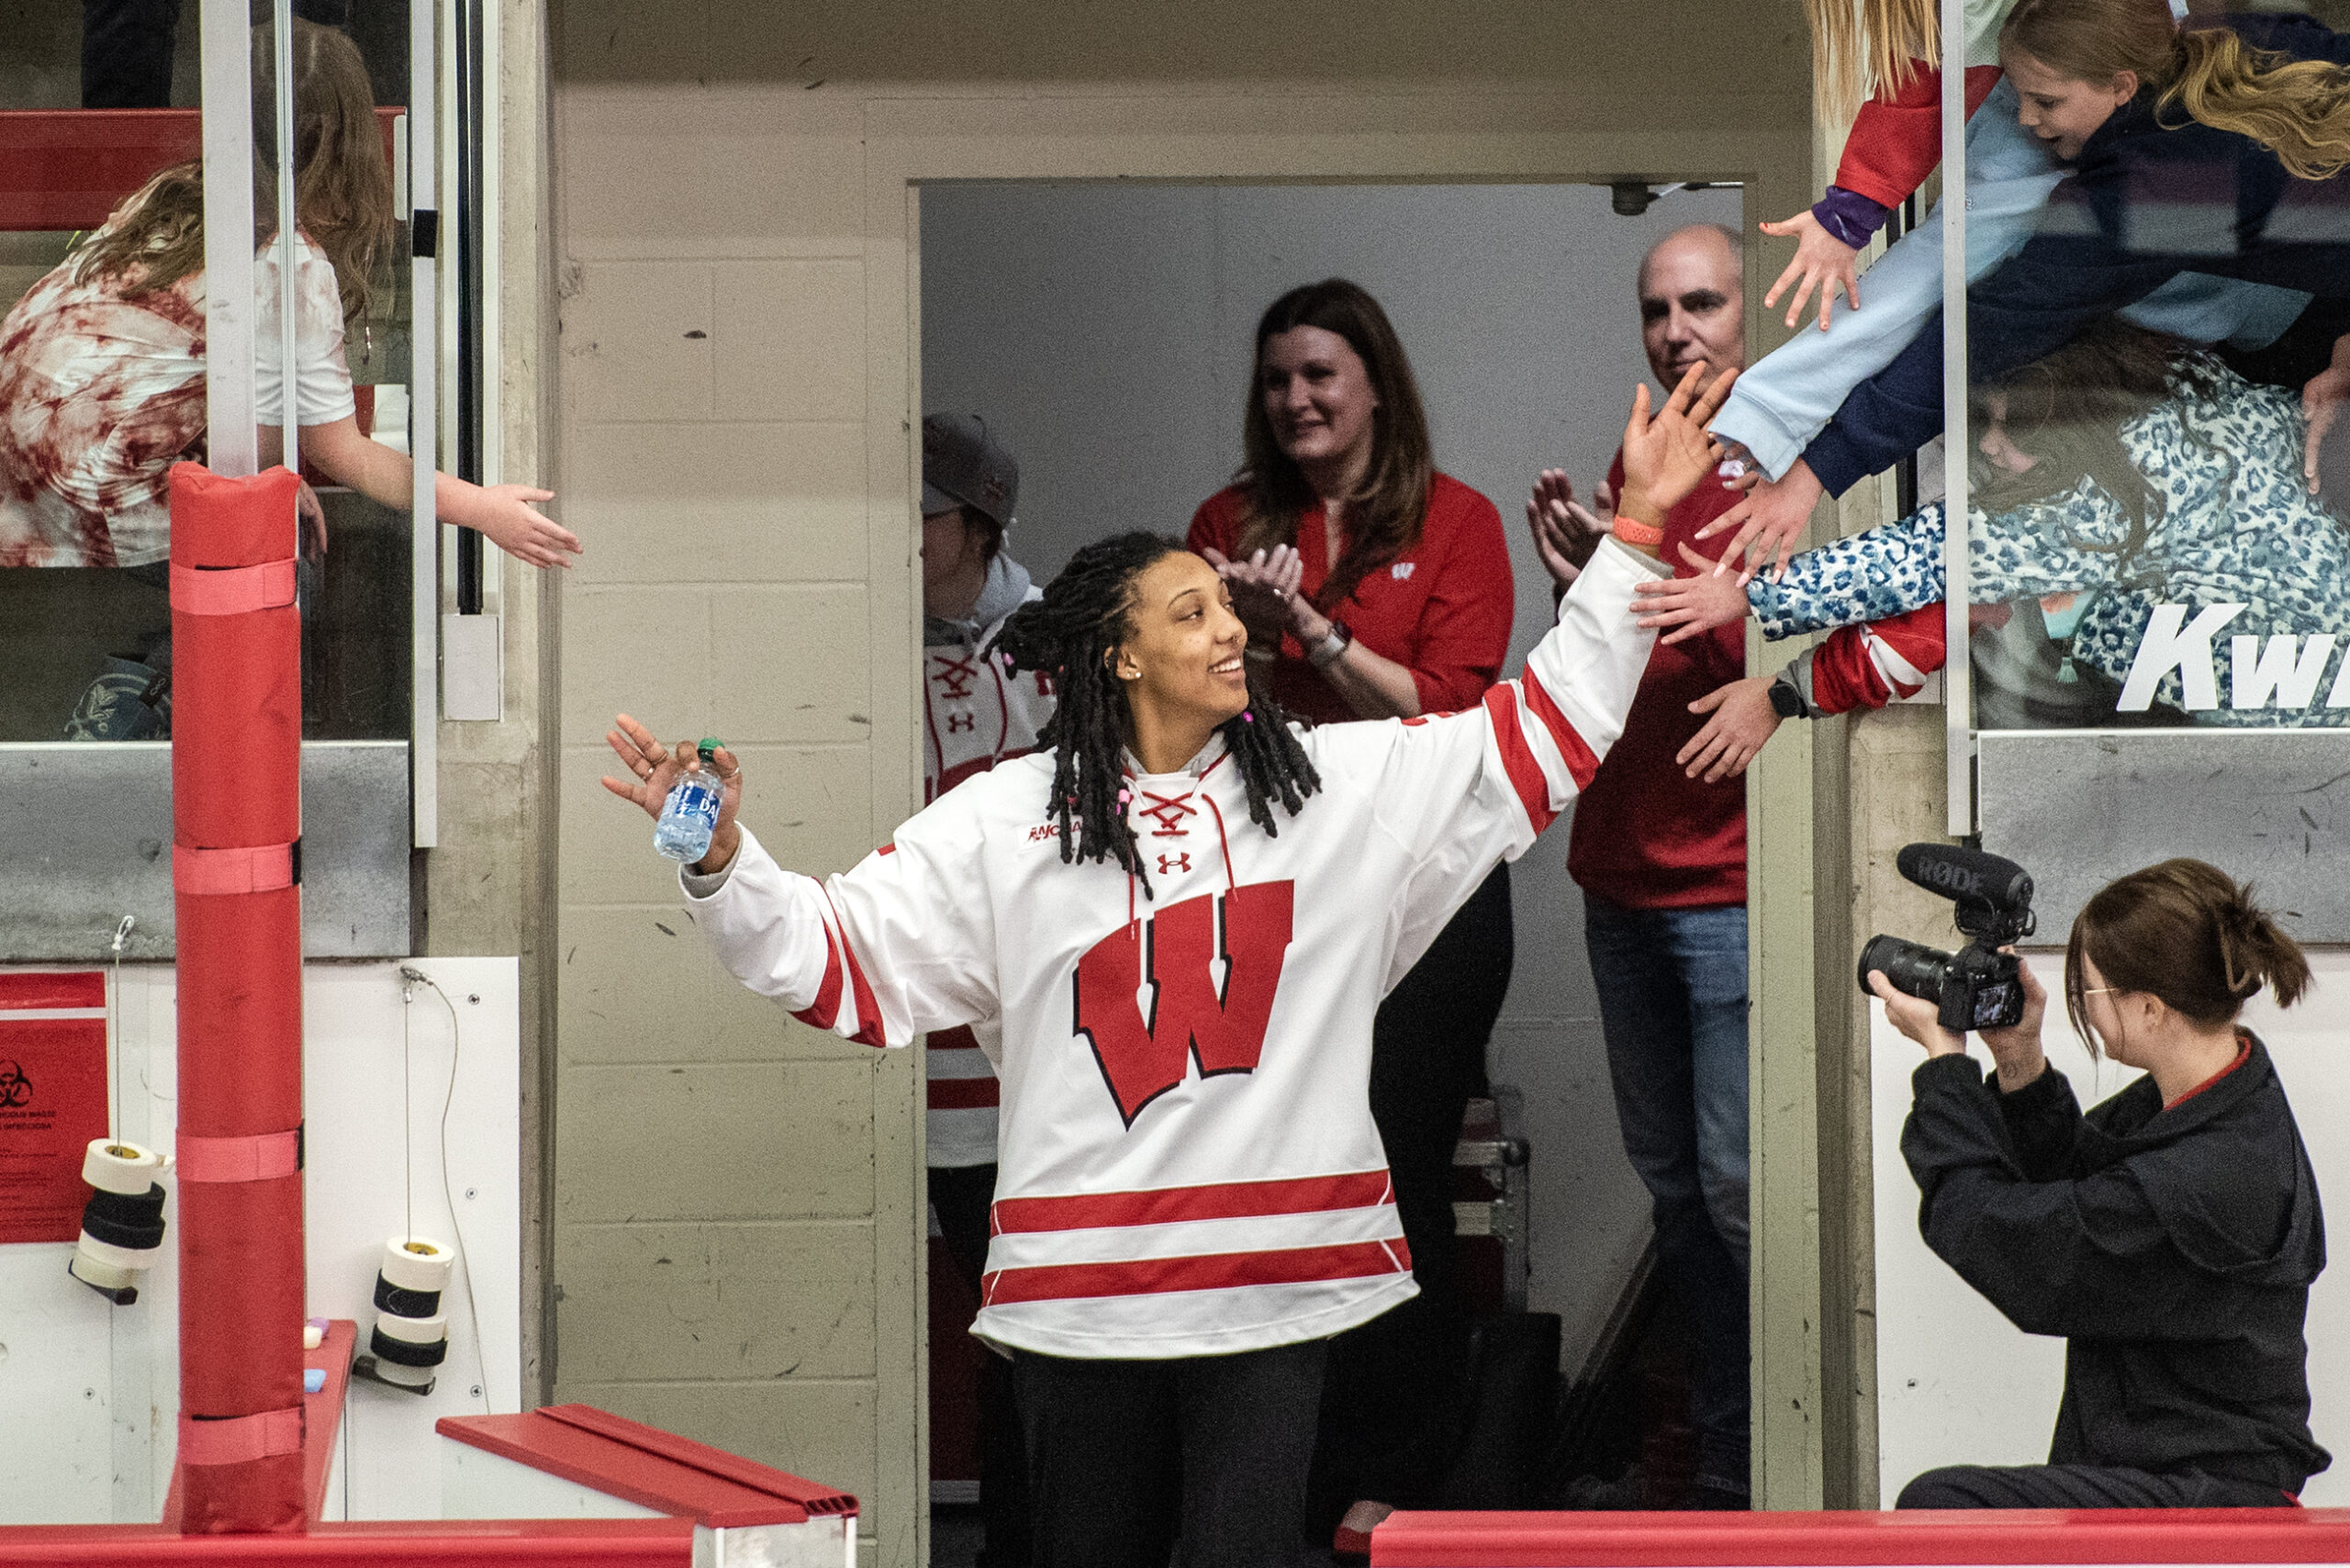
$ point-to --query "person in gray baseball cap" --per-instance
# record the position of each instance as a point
(975, 713)
(969, 484)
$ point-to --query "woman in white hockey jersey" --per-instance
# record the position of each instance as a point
(1191, 1195)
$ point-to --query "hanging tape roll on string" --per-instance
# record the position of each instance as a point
(411, 1333)
(122, 1225)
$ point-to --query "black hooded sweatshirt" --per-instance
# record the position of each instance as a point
(2172, 1249)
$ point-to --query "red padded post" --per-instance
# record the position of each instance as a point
(236, 785)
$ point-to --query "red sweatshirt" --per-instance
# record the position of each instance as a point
(1441, 609)
(1647, 835)
(1898, 138)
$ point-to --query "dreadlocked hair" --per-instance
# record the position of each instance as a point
(1070, 635)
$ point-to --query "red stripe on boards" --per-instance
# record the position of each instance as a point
(1517, 757)
(1580, 763)
(965, 1094)
(1211, 1272)
(959, 1038)
(1169, 1206)
(85, 988)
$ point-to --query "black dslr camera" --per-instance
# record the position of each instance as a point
(1978, 987)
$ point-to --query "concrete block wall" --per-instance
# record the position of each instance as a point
(736, 1207)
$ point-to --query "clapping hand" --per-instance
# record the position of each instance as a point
(1264, 590)
(1565, 531)
(654, 770)
(1666, 456)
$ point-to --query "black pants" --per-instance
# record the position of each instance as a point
(1124, 1457)
(2082, 1486)
(962, 1195)
(1391, 1406)
(127, 53)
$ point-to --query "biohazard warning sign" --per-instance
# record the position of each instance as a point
(52, 1099)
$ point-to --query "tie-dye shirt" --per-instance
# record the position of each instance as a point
(100, 395)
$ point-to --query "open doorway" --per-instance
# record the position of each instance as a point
(1103, 331)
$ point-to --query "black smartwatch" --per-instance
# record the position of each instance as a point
(1786, 698)
(1328, 652)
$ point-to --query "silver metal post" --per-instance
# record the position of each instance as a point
(424, 422)
(225, 33)
(1958, 690)
(288, 249)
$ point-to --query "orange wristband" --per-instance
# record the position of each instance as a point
(1633, 532)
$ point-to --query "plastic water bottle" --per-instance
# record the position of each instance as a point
(689, 815)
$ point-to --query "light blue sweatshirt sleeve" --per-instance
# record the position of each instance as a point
(1781, 405)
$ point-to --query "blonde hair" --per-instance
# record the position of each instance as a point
(1863, 46)
(343, 188)
(2298, 109)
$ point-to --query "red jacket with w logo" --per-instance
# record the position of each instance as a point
(1187, 1161)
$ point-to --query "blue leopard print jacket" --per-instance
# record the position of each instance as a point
(2236, 526)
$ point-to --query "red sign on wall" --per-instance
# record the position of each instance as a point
(52, 1099)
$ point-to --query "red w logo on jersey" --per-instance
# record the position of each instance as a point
(1141, 1046)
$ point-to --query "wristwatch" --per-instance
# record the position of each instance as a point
(1786, 698)
(1328, 652)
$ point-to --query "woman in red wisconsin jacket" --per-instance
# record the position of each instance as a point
(1375, 586)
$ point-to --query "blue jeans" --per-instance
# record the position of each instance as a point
(1672, 987)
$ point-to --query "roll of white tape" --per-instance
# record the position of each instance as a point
(413, 1331)
(112, 1166)
(407, 1377)
(417, 1263)
(98, 1272)
(90, 1246)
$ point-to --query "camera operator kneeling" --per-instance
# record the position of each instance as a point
(2170, 1235)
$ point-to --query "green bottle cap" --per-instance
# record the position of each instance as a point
(709, 747)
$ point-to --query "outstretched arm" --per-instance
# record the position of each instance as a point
(878, 954)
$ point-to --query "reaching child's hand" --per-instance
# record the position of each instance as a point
(1743, 720)
(1823, 261)
(1664, 457)
(1769, 521)
(507, 519)
(1691, 605)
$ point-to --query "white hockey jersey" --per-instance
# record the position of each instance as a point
(1187, 1164)
(975, 713)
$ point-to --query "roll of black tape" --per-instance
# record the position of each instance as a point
(391, 1298)
(400, 1354)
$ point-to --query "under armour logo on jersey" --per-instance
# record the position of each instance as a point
(1170, 864)
(955, 677)
(957, 722)
(1168, 814)
(1401, 570)
(1143, 1039)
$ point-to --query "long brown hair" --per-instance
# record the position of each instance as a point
(1383, 519)
(2298, 109)
(2184, 931)
(342, 191)
(1860, 47)
(2068, 409)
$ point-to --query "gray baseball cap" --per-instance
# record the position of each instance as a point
(964, 465)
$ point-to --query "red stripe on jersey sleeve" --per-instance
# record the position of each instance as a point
(1580, 763)
(868, 1013)
(965, 1094)
(1210, 1272)
(1170, 1205)
(1517, 757)
(826, 1009)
